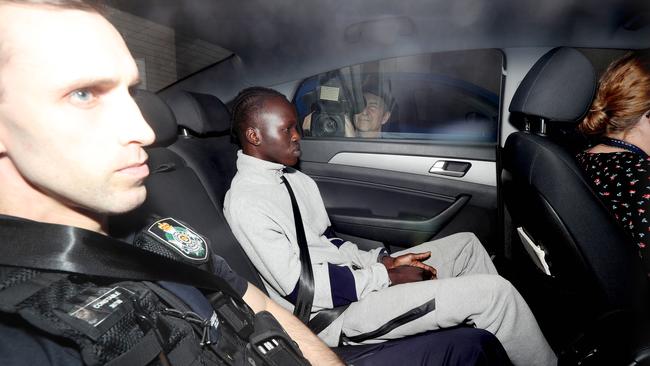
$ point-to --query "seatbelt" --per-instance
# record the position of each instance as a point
(324, 318)
(74, 250)
(305, 295)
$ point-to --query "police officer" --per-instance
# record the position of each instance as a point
(71, 153)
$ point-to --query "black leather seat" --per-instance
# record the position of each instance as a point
(204, 142)
(596, 293)
(175, 190)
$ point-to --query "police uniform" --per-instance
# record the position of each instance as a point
(54, 317)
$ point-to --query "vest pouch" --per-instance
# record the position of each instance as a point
(253, 339)
(112, 323)
(271, 345)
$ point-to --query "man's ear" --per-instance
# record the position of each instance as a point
(252, 136)
(385, 118)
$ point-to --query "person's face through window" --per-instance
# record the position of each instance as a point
(68, 124)
(375, 115)
(279, 136)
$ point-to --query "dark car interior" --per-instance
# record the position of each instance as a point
(585, 263)
(503, 169)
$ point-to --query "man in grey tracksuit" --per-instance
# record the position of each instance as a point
(453, 274)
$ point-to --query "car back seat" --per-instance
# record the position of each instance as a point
(204, 142)
(174, 190)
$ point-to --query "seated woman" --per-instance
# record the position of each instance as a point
(618, 165)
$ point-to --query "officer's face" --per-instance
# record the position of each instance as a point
(279, 137)
(71, 136)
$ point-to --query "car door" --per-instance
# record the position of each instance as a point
(432, 169)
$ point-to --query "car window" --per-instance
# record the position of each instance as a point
(163, 54)
(451, 96)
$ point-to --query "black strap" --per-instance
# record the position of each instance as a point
(325, 317)
(141, 353)
(52, 247)
(305, 295)
(623, 145)
(398, 321)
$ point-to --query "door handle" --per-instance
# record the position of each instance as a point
(450, 168)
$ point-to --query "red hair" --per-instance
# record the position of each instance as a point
(623, 96)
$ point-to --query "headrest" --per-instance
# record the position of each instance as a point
(559, 87)
(159, 116)
(200, 113)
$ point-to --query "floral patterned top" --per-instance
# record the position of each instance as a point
(622, 181)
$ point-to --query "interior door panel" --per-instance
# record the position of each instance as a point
(474, 171)
(387, 191)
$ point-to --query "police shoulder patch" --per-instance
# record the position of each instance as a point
(181, 239)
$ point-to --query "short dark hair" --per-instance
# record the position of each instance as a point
(246, 107)
(95, 6)
(380, 88)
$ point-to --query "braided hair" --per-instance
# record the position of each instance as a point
(246, 108)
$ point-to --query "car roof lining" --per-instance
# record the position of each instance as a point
(295, 39)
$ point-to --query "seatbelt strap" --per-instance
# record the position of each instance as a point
(305, 295)
(52, 247)
(325, 317)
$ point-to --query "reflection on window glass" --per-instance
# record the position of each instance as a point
(163, 54)
(452, 96)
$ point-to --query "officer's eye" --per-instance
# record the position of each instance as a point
(82, 96)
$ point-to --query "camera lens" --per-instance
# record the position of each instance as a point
(329, 126)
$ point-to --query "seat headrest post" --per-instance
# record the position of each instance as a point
(542, 127)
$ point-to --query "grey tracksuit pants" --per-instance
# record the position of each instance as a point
(468, 291)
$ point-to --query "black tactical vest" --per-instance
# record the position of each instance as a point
(123, 323)
(119, 322)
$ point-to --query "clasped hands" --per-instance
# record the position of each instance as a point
(409, 268)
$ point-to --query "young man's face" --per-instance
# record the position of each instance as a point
(279, 137)
(68, 125)
(373, 116)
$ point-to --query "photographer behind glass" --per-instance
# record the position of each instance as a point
(331, 113)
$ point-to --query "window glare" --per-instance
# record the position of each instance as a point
(451, 96)
(163, 54)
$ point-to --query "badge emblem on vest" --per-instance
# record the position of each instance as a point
(180, 238)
